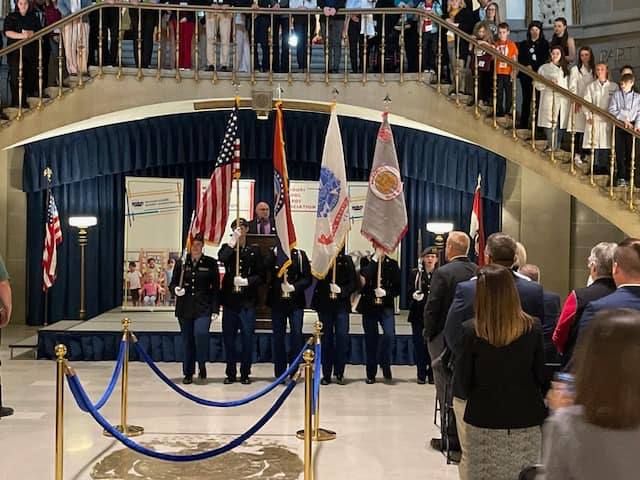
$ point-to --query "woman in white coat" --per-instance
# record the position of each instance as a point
(580, 76)
(553, 111)
(597, 135)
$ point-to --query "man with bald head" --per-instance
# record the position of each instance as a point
(443, 286)
(263, 223)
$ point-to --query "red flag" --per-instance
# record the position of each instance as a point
(52, 238)
(213, 209)
(476, 229)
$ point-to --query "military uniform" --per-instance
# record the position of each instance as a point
(334, 315)
(201, 282)
(374, 314)
(239, 313)
(292, 308)
(420, 281)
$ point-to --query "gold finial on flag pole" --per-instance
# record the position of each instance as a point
(335, 92)
(48, 173)
(387, 102)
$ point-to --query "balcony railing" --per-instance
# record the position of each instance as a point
(390, 46)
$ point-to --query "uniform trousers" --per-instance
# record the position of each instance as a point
(279, 323)
(195, 342)
(423, 360)
(242, 319)
(218, 23)
(370, 321)
(76, 37)
(335, 341)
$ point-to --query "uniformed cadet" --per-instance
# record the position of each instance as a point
(332, 301)
(239, 295)
(377, 307)
(418, 291)
(287, 301)
(197, 298)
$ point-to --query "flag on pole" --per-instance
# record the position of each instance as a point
(385, 214)
(286, 233)
(213, 207)
(332, 215)
(52, 238)
(476, 229)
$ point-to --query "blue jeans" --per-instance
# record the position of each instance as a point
(335, 342)
(370, 321)
(195, 342)
(423, 361)
(279, 324)
(243, 320)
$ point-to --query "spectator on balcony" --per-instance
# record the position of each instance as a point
(242, 51)
(183, 30)
(429, 31)
(334, 26)
(625, 106)
(147, 20)
(300, 25)
(280, 36)
(482, 64)
(480, 13)
(508, 48)
(553, 110)
(462, 18)
(581, 75)
(562, 38)
(52, 15)
(39, 8)
(75, 35)
(21, 24)
(532, 53)
(597, 135)
(219, 23)
(111, 19)
(492, 18)
(352, 27)
(262, 24)
(628, 69)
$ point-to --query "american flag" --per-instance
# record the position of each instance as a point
(52, 238)
(213, 208)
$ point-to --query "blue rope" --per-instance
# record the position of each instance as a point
(212, 403)
(83, 401)
(114, 379)
(317, 375)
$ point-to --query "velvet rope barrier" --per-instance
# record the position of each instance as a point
(83, 402)
(212, 403)
(317, 376)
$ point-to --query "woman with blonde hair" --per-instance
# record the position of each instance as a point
(502, 373)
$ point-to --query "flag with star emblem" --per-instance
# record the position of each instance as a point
(52, 238)
(285, 231)
(332, 215)
(213, 206)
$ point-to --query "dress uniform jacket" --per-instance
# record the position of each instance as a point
(390, 281)
(345, 279)
(298, 275)
(201, 282)
(251, 268)
(420, 280)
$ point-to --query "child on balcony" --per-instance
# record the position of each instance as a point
(504, 71)
(625, 106)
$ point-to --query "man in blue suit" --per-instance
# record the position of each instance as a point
(626, 275)
(500, 249)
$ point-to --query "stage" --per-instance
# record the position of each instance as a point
(157, 331)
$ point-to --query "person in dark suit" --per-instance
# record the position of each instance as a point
(197, 289)
(376, 306)
(263, 223)
(626, 274)
(551, 312)
(443, 286)
(600, 264)
(500, 249)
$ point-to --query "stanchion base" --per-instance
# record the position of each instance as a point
(132, 431)
(322, 435)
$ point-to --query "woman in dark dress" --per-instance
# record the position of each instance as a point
(533, 53)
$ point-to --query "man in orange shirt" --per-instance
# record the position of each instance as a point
(508, 48)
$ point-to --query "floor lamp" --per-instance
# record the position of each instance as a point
(82, 224)
(439, 229)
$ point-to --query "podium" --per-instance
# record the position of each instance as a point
(263, 312)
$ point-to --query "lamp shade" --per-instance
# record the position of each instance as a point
(439, 228)
(83, 221)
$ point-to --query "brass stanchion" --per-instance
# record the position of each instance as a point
(308, 411)
(612, 162)
(127, 430)
(61, 352)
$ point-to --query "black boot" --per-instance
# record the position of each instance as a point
(202, 370)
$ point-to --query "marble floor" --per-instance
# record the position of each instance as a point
(383, 430)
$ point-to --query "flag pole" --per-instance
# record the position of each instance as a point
(237, 181)
(186, 248)
(47, 173)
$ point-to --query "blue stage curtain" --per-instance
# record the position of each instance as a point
(90, 166)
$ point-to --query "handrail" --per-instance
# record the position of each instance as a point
(344, 12)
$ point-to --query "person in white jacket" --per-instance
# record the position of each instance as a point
(597, 135)
(553, 111)
(581, 75)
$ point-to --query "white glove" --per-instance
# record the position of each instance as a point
(334, 288)
(179, 291)
(240, 281)
(378, 255)
(418, 296)
(380, 292)
(287, 287)
(235, 235)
